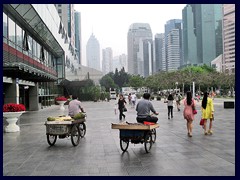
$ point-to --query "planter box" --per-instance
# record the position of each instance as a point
(228, 104)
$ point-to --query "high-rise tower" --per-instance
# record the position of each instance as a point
(93, 53)
(137, 34)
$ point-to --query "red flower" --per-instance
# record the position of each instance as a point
(12, 107)
(61, 98)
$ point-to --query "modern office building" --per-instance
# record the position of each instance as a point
(93, 53)
(173, 50)
(169, 26)
(66, 13)
(229, 38)
(107, 58)
(36, 54)
(158, 42)
(78, 38)
(189, 37)
(202, 22)
(137, 33)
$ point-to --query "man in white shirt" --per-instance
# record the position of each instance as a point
(133, 99)
(74, 106)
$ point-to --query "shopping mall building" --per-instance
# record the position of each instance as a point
(37, 55)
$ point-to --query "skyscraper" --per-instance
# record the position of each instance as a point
(189, 38)
(169, 28)
(203, 22)
(78, 39)
(229, 38)
(137, 33)
(173, 50)
(107, 58)
(93, 53)
(66, 13)
(158, 52)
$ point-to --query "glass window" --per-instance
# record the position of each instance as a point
(11, 32)
(19, 35)
(59, 11)
(30, 44)
(34, 49)
(5, 26)
(37, 51)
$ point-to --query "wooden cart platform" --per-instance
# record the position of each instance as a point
(134, 126)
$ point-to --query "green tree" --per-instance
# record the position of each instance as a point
(136, 81)
(107, 82)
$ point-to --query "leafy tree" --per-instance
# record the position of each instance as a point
(107, 82)
(136, 81)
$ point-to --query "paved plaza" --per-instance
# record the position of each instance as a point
(27, 153)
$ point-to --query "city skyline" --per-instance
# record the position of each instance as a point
(110, 22)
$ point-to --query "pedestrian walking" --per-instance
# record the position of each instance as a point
(189, 105)
(129, 99)
(121, 106)
(207, 112)
(178, 100)
(133, 99)
(170, 105)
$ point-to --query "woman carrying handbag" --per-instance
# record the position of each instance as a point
(189, 106)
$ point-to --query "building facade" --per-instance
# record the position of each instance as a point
(189, 38)
(137, 33)
(158, 48)
(36, 54)
(229, 38)
(78, 37)
(202, 22)
(170, 26)
(173, 50)
(93, 53)
(107, 58)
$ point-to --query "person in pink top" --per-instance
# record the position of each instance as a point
(74, 106)
(189, 103)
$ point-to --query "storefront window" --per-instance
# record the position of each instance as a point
(11, 32)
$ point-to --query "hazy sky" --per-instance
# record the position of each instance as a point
(110, 22)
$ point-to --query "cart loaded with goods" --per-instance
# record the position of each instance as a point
(66, 126)
(136, 133)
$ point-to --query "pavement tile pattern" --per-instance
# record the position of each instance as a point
(27, 153)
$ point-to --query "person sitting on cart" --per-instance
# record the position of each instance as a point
(143, 109)
(74, 106)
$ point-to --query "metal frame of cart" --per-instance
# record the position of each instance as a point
(61, 129)
(136, 133)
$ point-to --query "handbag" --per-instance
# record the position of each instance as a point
(201, 122)
(124, 109)
(194, 110)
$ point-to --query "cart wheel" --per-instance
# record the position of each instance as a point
(148, 141)
(82, 128)
(75, 135)
(51, 139)
(154, 135)
(124, 144)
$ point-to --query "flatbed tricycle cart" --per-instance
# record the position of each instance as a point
(68, 127)
(136, 133)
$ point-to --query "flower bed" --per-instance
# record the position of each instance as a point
(12, 107)
(61, 98)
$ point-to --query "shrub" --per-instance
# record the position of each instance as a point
(12, 107)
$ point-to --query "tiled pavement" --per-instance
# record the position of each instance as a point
(27, 153)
